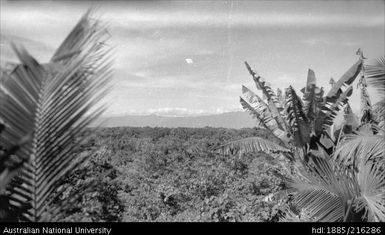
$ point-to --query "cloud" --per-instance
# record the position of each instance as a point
(319, 41)
(188, 18)
(178, 111)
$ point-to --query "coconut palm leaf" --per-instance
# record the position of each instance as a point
(371, 178)
(56, 107)
(297, 118)
(79, 38)
(323, 190)
(360, 148)
(374, 71)
(252, 145)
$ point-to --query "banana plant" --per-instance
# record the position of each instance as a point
(299, 123)
(330, 183)
(44, 108)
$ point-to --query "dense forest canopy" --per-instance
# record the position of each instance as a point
(172, 174)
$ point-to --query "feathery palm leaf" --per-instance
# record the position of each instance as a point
(324, 190)
(56, 106)
(371, 179)
(360, 148)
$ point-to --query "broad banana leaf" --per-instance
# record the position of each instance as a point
(312, 96)
(350, 118)
(346, 79)
(255, 105)
(332, 82)
(297, 119)
(336, 98)
(366, 105)
(330, 109)
(274, 106)
(254, 113)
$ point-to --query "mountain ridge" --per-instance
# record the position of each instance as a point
(234, 120)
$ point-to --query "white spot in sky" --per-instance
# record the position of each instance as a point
(189, 61)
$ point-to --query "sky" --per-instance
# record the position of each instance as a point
(183, 58)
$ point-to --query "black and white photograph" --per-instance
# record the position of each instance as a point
(192, 111)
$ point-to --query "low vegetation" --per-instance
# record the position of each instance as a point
(162, 174)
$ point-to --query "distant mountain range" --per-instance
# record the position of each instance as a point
(235, 120)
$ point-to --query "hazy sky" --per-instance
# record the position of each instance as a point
(187, 57)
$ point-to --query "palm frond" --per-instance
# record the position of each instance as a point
(252, 145)
(371, 178)
(374, 71)
(297, 118)
(324, 190)
(56, 106)
(361, 147)
(86, 30)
